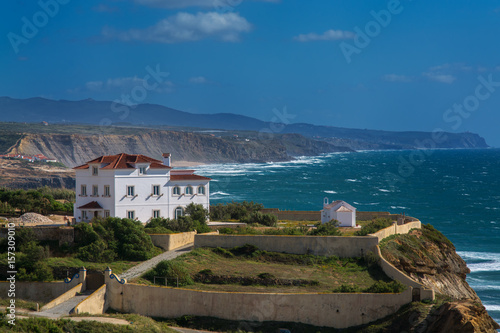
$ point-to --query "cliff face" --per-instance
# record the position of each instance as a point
(73, 150)
(430, 258)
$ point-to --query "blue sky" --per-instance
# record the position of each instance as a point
(394, 65)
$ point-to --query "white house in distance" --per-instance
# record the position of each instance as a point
(340, 211)
(136, 187)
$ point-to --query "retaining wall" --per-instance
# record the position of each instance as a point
(64, 297)
(50, 233)
(95, 303)
(397, 275)
(397, 229)
(319, 245)
(172, 241)
(332, 310)
(36, 291)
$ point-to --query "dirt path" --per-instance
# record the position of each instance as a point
(138, 270)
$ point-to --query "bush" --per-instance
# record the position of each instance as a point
(382, 287)
(170, 270)
(266, 276)
(234, 210)
(269, 220)
(374, 226)
(222, 252)
(326, 229)
(347, 288)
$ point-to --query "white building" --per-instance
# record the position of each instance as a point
(339, 210)
(136, 187)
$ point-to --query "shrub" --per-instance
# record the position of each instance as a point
(197, 213)
(170, 270)
(386, 287)
(245, 250)
(374, 226)
(326, 229)
(227, 231)
(347, 288)
(234, 210)
(222, 252)
(266, 276)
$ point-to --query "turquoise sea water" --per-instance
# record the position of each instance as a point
(458, 191)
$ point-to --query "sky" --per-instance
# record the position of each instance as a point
(390, 65)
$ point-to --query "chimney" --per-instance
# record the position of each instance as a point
(166, 159)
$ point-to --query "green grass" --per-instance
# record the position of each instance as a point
(21, 303)
(44, 325)
(116, 266)
(248, 263)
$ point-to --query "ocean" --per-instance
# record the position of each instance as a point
(456, 190)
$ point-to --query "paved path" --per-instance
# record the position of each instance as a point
(64, 308)
(149, 264)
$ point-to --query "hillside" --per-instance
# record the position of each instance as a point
(430, 258)
(76, 149)
(89, 111)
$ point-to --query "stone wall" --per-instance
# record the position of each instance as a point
(42, 291)
(397, 229)
(172, 241)
(64, 297)
(332, 310)
(320, 245)
(49, 233)
(397, 275)
(95, 303)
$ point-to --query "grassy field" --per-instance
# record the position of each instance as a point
(329, 273)
(116, 266)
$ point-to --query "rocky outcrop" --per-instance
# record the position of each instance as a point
(430, 258)
(461, 316)
(76, 149)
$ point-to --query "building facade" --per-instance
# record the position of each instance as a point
(339, 210)
(136, 187)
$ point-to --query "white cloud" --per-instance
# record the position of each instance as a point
(327, 35)
(172, 4)
(127, 84)
(94, 85)
(443, 78)
(184, 27)
(396, 78)
(101, 8)
(198, 80)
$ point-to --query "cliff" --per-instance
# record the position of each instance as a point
(76, 149)
(430, 258)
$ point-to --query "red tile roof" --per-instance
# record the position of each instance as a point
(188, 177)
(124, 161)
(91, 205)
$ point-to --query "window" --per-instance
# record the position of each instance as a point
(201, 190)
(106, 213)
(142, 170)
(131, 191)
(131, 214)
(107, 191)
(156, 214)
(177, 190)
(95, 171)
(179, 211)
(189, 190)
(84, 214)
(83, 191)
(156, 190)
(95, 190)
